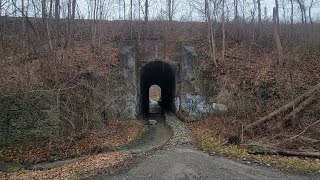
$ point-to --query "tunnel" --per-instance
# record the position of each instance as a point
(161, 74)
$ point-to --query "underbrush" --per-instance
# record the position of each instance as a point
(207, 136)
(114, 134)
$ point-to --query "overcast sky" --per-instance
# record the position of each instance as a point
(185, 10)
(189, 9)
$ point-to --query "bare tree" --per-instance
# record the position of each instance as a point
(223, 30)
(48, 21)
(124, 9)
(23, 26)
(171, 8)
(312, 3)
(131, 19)
(236, 11)
(277, 15)
(276, 36)
(259, 12)
(44, 7)
(291, 17)
(211, 35)
(302, 8)
(57, 21)
(146, 11)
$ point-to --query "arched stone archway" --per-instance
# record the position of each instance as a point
(176, 78)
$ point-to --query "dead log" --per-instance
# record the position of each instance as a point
(288, 153)
(283, 108)
(300, 107)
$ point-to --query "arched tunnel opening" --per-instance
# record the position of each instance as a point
(161, 74)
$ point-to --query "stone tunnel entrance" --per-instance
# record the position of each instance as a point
(161, 74)
(175, 77)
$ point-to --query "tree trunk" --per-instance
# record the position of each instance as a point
(146, 17)
(277, 15)
(291, 18)
(236, 12)
(124, 9)
(169, 10)
(56, 24)
(301, 106)
(283, 108)
(44, 12)
(131, 19)
(277, 38)
(223, 31)
(211, 36)
(23, 26)
(48, 20)
(71, 21)
(139, 9)
(310, 7)
(119, 9)
(288, 153)
(259, 11)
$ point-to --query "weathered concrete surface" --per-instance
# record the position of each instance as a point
(130, 84)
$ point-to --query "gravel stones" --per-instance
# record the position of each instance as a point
(180, 133)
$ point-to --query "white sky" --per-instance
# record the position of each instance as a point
(157, 9)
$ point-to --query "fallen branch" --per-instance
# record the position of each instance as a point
(283, 108)
(301, 106)
(288, 153)
(304, 130)
(236, 137)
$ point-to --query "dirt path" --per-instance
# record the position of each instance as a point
(179, 160)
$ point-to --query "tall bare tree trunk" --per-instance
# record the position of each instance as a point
(44, 7)
(236, 12)
(277, 38)
(131, 19)
(0, 8)
(223, 31)
(310, 7)
(170, 9)
(48, 21)
(57, 21)
(139, 9)
(124, 9)
(23, 26)
(211, 36)
(259, 11)
(291, 17)
(146, 11)
(94, 27)
(277, 15)
(119, 9)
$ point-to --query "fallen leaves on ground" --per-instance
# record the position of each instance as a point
(113, 135)
(84, 167)
(208, 134)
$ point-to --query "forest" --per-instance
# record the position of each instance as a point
(62, 81)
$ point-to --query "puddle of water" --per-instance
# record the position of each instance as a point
(156, 136)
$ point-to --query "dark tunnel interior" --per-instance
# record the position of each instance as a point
(161, 74)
